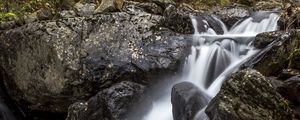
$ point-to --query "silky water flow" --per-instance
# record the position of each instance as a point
(213, 57)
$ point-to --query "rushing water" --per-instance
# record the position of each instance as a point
(213, 57)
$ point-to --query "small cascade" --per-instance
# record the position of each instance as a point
(213, 57)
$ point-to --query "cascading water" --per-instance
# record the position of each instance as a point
(213, 57)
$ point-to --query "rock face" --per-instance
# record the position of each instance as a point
(187, 100)
(114, 103)
(290, 89)
(231, 14)
(50, 64)
(282, 54)
(247, 95)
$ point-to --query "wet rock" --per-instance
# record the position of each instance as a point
(247, 95)
(153, 8)
(274, 82)
(231, 14)
(179, 20)
(187, 101)
(288, 73)
(51, 64)
(277, 56)
(262, 40)
(85, 9)
(290, 89)
(114, 103)
(110, 6)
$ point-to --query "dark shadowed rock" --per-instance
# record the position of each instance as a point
(279, 55)
(187, 100)
(247, 95)
(274, 82)
(179, 20)
(290, 89)
(288, 73)
(231, 14)
(51, 64)
(262, 40)
(114, 103)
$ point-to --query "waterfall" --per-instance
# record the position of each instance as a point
(213, 57)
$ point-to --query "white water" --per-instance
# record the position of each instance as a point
(214, 57)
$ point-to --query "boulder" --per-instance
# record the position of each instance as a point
(44, 14)
(290, 89)
(277, 56)
(50, 64)
(274, 82)
(187, 101)
(179, 20)
(85, 9)
(288, 73)
(67, 13)
(247, 95)
(262, 40)
(114, 103)
(110, 6)
(148, 7)
(231, 14)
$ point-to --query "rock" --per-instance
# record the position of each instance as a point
(268, 5)
(288, 73)
(164, 3)
(44, 14)
(187, 101)
(247, 95)
(114, 103)
(277, 56)
(109, 6)
(31, 18)
(231, 14)
(274, 82)
(67, 14)
(152, 8)
(179, 20)
(7, 25)
(262, 40)
(290, 89)
(85, 9)
(52, 64)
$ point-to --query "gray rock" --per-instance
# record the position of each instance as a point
(44, 14)
(290, 89)
(262, 40)
(281, 54)
(114, 103)
(110, 6)
(247, 95)
(230, 14)
(85, 9)
(130, 6)
(67, 14)
(51, 64)
(187, 101)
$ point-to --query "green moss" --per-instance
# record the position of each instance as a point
(7, 16)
